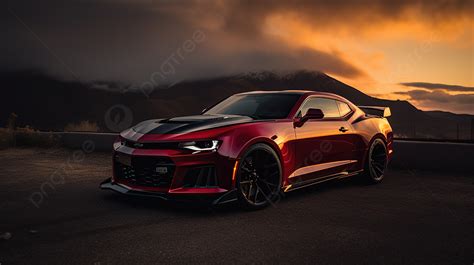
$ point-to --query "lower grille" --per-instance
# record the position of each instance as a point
(155, 145)
(146, 171)
(201, 177)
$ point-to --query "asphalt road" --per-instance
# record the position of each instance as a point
(52, 212)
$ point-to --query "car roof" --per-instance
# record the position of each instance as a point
(299, 92)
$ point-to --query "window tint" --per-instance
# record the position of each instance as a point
(258, 106)
(344, 109)
(328, 106)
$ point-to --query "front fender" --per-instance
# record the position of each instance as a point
(278, 135)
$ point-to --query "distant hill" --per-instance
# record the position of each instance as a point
(50, 104)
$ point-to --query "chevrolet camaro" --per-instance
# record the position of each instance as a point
(253, 147)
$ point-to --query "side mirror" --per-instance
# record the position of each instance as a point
(315, 114)
(311, 114)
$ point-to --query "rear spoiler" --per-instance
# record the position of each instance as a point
(377, 111)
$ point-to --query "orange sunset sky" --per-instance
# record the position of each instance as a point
(421, 51)
(394, 55)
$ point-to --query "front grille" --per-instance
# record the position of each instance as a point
(201, 177)
(157, 145)
(146, 171)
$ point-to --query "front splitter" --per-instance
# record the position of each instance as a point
(227, 197)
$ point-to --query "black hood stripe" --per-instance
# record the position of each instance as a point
(188, 124)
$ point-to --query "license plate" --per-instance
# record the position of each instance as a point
(161, 170)
(124, 159)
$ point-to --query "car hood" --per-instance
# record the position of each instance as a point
(187, 124)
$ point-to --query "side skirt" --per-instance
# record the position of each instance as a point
(311, 182)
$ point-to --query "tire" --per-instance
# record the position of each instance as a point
(258, 178)
(376, 162)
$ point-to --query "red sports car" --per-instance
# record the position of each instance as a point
(251, 147)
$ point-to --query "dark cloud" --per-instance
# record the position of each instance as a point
(130, 40)
(435, 86)
(440, 99)
(361, 12)
(439, 96)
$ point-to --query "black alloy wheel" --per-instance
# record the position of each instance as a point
(376, 161)
(259, 177)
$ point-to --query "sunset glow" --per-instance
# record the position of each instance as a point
(371, 45)
(390, 52)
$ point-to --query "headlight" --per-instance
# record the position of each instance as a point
(200, 146)
(119, 141)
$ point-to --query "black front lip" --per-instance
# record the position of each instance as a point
(227, 197)
(109, 185)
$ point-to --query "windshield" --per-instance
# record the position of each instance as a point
(257, 106)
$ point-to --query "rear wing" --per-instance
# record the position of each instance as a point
(376, 111)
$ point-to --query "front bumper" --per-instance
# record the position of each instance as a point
(171, 174)
(213, 198)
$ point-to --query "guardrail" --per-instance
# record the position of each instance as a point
(429, 155)
(75, 140)
(408, 154)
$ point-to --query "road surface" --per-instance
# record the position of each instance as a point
(52, 212)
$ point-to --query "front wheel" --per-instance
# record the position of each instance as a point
(376, 163)
(258, 177)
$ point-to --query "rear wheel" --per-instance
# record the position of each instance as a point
(259, 177)
(376, 163)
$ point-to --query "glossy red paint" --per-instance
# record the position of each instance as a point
(307, 150)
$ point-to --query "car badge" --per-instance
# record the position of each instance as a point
(161, 170)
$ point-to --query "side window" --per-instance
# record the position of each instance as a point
(344, 109)
(328, 106)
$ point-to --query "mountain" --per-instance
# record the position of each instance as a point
(50, 104)
(464, 123)
(450, 115)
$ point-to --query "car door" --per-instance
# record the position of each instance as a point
(322, 146)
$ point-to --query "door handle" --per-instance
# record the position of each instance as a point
(342, 129)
